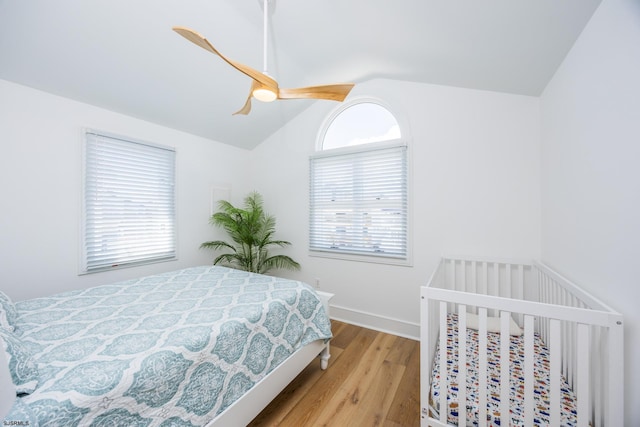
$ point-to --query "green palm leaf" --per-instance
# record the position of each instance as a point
(251, 231)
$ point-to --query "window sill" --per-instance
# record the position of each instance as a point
(401, 262)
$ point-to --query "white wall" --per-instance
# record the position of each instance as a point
(590, 171)
(40, 174)
(475, 190)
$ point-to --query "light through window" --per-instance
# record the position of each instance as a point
(358, 194)
(361, 123)
(128, 201)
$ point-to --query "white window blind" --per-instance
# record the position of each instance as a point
(129, 203)
(359, 202)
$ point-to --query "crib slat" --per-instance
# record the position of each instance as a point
(473, 286)
(572, 357)
(597, 388)
(495, 291)
(546, 299)
(567, 339)
(482, 367)
(583, 391)
(555, 364)
(519, 290)
(496, 279)
(463, 277)
(453, 275)
(485, 279)
(528, 370)
(521, 282)
(444, 383)
(505, 390)
(462, 365)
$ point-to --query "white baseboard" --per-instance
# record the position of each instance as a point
(376, 322)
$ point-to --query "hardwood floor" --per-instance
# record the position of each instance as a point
(373, 379)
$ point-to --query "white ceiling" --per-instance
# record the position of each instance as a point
(122, 55)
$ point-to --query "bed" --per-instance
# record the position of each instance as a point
(561, 348)
(200, 346)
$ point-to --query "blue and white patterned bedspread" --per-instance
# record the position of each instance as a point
(171, 349)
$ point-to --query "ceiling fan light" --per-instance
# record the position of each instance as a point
(264, 94)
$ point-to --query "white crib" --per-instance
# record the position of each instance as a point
(583, 336)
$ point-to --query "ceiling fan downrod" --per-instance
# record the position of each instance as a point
(265, 22)
(264, 93)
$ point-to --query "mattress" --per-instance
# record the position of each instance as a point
(516, 349)
(173, 349)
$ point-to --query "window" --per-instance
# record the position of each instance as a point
(128, 203)
(358, 194)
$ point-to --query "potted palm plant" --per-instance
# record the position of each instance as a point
(251, 231)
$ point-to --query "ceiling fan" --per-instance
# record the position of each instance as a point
(264, 87)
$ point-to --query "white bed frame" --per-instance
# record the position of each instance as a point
(584, 336)
(245, 409)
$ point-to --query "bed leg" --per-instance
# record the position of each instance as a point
(324, 358)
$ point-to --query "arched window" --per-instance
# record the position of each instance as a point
(358, 186)
(360, 123)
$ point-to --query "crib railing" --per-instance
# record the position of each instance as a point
(583, 335)
(605, 346)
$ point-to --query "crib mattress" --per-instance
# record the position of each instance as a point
(516, 348)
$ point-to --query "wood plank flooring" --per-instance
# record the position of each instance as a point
(373, 379)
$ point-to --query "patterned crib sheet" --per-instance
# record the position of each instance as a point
(516, 349)
(173, 349)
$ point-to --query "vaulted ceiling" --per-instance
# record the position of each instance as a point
(122, 55)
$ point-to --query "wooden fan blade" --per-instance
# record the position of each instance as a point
(246, 108)
(200, 40)
(335, 92)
